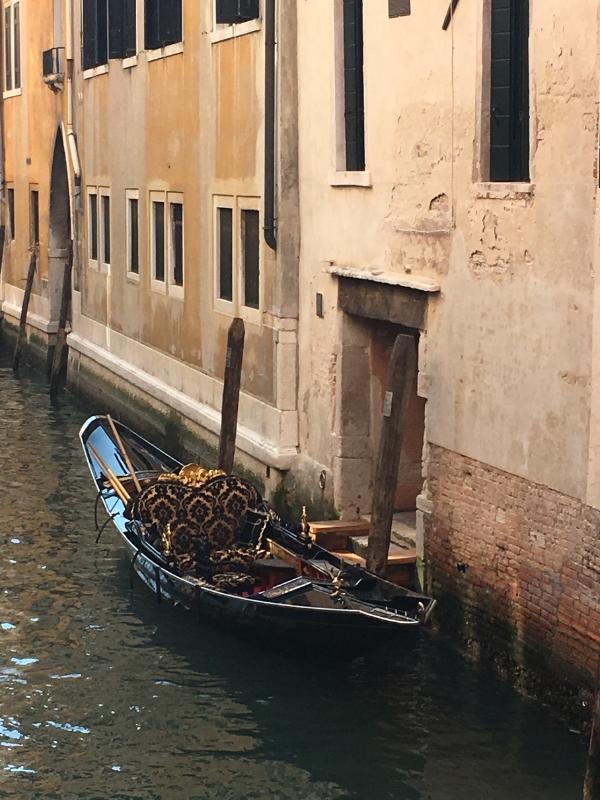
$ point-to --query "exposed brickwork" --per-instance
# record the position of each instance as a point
(516, 567)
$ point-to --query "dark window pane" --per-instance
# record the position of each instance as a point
(250, 249)
(17, 46)
(158, 214)
(105, 229)
(102, 45)
(134, 257)
(11, 213)
(226, 12)
(354, 114)
(34, 216)
(116, 14)
(151, 37)
(177, 242)
(247, 9)
(93, 227)
(226, 254)
(170, 22)
(8, 49)
(509, 91)
(129, 29)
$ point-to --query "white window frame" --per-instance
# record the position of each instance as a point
(157, 285)
(93, 263)
(227, 306)
(224, 30)
(104, 191)
(172, 288)
(236, 306)
(132, 194)
(14, 91)
(247, 312)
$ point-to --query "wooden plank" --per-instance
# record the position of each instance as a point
(57, 369)
(591, 788)
(24, 308)
(401, 377)
(2, 240)
(231, 394)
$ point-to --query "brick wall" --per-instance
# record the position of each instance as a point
(516, 569)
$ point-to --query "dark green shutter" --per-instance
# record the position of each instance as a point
(247, 9)
(102, 32)
(354, 85)
(115, 28)
(509, 98)
(170, 23)
(89, 34)
(129, 29)
(226, 12)
(151, 37)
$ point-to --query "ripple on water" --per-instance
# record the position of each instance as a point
(169, 710)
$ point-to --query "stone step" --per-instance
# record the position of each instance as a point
(360, 546)
(401, 566)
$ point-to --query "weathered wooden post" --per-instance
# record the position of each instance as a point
(231, 394)
(401, 375)
(24, 307)
(591, 788)
(2, 240)
(61, 334)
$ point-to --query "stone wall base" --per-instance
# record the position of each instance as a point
(515, 568)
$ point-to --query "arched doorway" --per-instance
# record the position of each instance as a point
(59, 228)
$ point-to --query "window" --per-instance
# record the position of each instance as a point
(509, 100)
(12, 47)
(354, 113)
(105, 227)
(93, 225)
(237, 248)
(250, 257)
(175, 243)
(163, 23)
(10, 198)
(122, 28)
(158, 240)
(95, 33)
(231, 12)
(34, 216)
(133, 239)
(225, 253)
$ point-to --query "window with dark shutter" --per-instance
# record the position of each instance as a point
(93, 226)
(134, 248)
(105, 210)
(8, 77)
(164, 23)
(158, 252)
(34, 216)
(129, 29)
(509, 100)
(17, 45)
(354, 113)
(11, 213)
(251, 258)
(115, 28)
(95, 33)
(177, 243)
(225, 234)
(231, 12)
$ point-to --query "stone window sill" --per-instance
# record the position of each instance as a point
(504, 191)
(359, 179)
(101, 69)
(222, 34)
(164, 52)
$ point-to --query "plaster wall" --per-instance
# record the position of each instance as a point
(506, 351)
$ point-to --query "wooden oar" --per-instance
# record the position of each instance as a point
(113, 480)
(121, 447)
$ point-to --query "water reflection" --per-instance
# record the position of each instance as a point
(106, 694)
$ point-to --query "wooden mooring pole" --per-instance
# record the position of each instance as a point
(401, 375)
(25, 307)
(61, 334)
(591, 787)
(2, 240)
(231, 394)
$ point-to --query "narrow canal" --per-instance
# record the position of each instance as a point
(106, 694)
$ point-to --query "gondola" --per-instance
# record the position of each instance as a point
(298, 591)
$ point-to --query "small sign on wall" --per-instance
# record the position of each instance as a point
(398, 8)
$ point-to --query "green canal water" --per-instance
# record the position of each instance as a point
(106, 694)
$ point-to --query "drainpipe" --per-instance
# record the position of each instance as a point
(72, 143)
(270, 228)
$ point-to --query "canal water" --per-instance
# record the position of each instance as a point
(106, 694)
